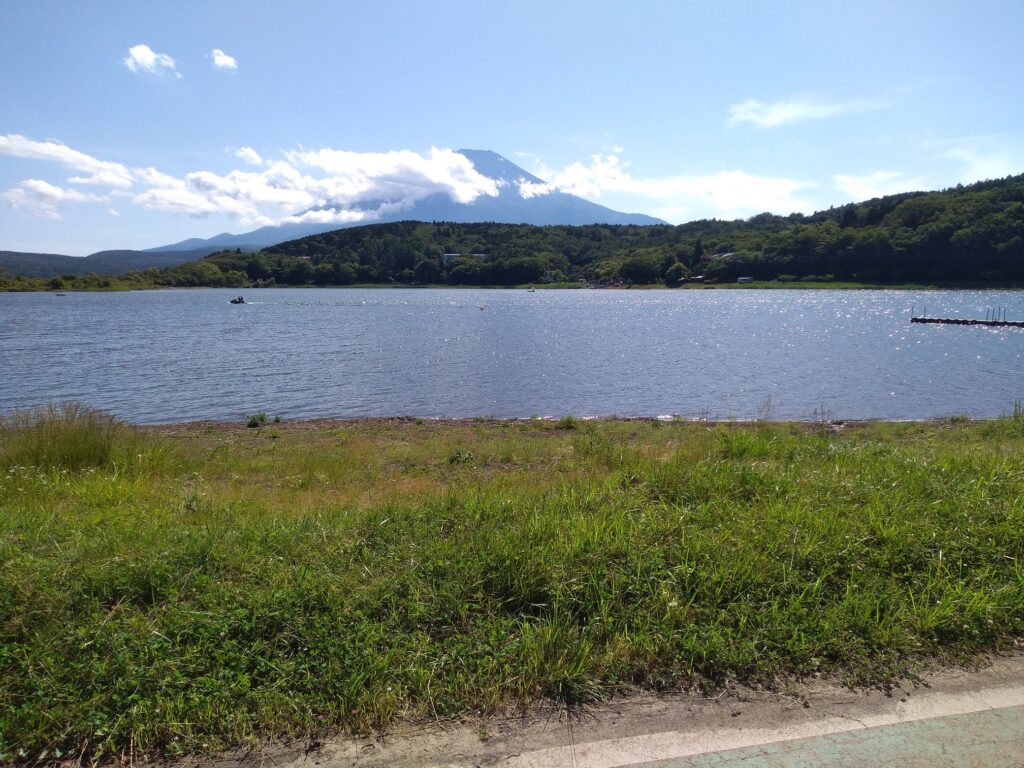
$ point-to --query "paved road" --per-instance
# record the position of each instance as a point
(980, 728)
(989, 739)
(952, 718)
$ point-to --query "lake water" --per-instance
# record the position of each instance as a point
(164, 356)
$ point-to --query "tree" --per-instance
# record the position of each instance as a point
(676, 274)
(324, 273)
(345, 274)
(259, 267)
(428, 271)
(640, 269)
(300, 273)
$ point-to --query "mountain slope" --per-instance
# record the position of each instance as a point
(508, 207)
(19, 264)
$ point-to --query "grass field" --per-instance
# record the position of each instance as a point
(184, 589)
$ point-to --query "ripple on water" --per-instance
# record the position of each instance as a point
(168, 356)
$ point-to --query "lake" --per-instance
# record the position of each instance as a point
(166, 356)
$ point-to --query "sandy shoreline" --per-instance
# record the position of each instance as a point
(331, 422)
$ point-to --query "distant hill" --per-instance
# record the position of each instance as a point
(508, 207)
(17, 264)
(221, 242)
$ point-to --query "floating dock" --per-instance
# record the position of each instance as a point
(995, 317)
(959, 321)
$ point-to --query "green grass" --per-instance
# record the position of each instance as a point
(185, 589)
(59, 436)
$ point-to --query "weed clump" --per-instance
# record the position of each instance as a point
(461, 457)
(1015, 423)
(68, 435)
(257, 420)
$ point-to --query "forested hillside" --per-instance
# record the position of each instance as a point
(965, 234)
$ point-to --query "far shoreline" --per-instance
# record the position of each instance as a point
(754, 285)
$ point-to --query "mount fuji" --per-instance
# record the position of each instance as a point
(509, 206)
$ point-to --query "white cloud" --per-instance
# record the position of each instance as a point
(605, 173)
(40, 198)
(877, 184)
(984, 163)
(349, 187)
(335, 185)
(222, 61)
(528, 189)
(332, 215)
(154, 178)
(349, 182)
(724, 194)
(400, 175)
(796, 111)
(100, 171)
(142, 58)
(103, 178)
(199, 194)
(249, 155)
(737, 194)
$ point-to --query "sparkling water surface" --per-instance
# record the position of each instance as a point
(181, 355)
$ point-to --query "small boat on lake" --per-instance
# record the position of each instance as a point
(238, 300)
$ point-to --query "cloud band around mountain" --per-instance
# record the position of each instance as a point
(726, 194)
(328, 185)
(321, 185)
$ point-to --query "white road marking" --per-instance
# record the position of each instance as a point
(613, 753)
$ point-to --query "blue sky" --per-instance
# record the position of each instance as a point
(135, 124)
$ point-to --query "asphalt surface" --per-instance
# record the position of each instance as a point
(950, 718)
